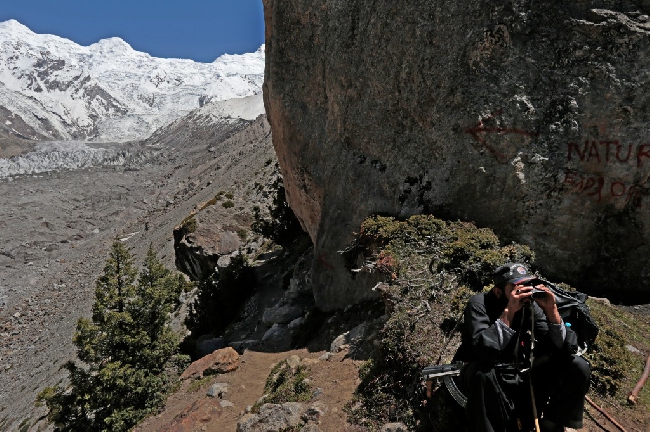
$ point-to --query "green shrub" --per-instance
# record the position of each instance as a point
(220, 297)
(228, 204)
(425, 308)
(282, 226)
(612, 364)
(425, 314)
(285, 384)
(230, 195)
(189, 225)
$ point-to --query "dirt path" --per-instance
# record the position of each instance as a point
(337, 378)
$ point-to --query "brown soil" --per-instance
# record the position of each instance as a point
(337, 377)
(632, 419)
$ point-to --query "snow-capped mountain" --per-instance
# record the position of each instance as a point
(53, 88)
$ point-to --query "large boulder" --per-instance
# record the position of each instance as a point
(525, 117)
(204, 238)
(221, 361)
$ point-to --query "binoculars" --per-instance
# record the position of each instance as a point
(538, 293)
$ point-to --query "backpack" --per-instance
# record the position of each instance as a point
(576, 314)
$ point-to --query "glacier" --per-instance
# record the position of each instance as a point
(60, 155)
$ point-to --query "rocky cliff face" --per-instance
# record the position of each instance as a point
(242, 157)
(526, 117)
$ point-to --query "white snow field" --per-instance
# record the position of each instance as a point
(108, 91)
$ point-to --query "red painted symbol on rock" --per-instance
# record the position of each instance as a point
(480, 129)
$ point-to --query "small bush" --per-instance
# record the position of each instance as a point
(180, 362)
(611, 362)
(230, 195)
(228, 204)
(285, 384)
(220, 297)
(425, 307)
(425, 315)
(197, 384)
(282, 227)
(189, 225)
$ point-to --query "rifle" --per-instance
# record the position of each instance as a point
(439, 374)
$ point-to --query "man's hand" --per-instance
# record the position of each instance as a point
(547, 303)
(518, 296)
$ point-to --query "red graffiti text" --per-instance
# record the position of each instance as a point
(600, 188)
(608, 151)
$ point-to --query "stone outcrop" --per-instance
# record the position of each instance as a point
(217, 228)
(525, 117)
(284, 416)
(198, 250)
(220, 361)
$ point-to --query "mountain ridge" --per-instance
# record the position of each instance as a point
(107, 91)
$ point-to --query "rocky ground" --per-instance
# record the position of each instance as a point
(334, 380)
(56, 229)
(275, 327)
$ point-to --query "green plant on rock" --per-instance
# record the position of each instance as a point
(611, 362)
(242, 233)
(425, 308)
(228, 204)
(123, 350)
(189, 225)
(286, 383)
(471, 252)
(282, 226)
(440, 265)
(220, 296)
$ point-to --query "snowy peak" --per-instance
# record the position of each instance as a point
(111, 47)
(108, 91)
(14, 26)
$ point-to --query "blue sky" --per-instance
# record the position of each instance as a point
(200, 30)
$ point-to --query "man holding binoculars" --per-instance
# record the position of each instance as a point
(521, 363)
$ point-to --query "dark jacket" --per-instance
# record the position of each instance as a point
(494, 381)
(483, 339)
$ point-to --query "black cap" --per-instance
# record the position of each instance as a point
(512, 273)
